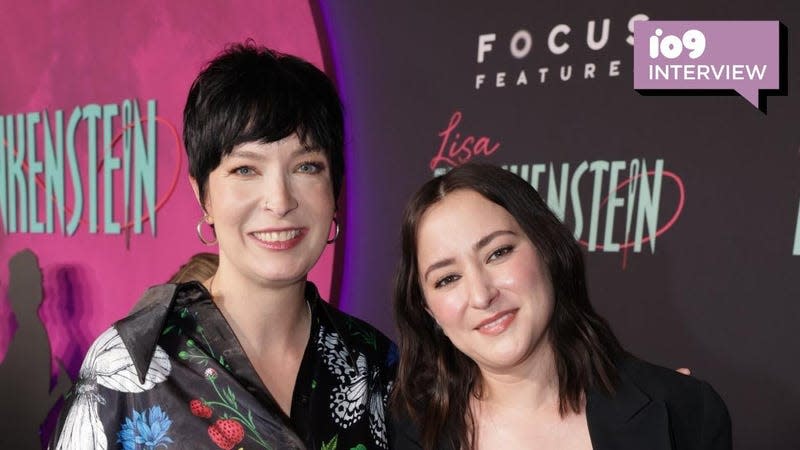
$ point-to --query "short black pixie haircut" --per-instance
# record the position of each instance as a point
(250, 93)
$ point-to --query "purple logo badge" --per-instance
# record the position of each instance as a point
(739, 55)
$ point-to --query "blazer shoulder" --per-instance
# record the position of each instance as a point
(403, 432)
(693, 405)
(659, 382)
(665, 384)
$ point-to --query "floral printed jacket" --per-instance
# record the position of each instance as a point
(172, 375)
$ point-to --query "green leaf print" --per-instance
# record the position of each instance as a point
(228, 404)
(231, 396)
(197, 350)
(371, 340)
(331, 445)
(356, 330)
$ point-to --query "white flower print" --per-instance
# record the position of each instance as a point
(108, 364)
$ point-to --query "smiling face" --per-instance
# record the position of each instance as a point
(483, 281)
(271, 206)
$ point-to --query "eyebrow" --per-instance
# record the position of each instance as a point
(246, 154)
(482, 242)
(438, 265)
(250, 154)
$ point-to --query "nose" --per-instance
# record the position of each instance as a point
(482, 291)
(278, 196)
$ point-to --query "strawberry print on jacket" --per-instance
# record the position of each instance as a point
(172, 375)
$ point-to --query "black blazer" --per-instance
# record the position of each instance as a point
(653, 408)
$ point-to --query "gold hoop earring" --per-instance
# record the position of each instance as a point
(204, 219)
(336, 233)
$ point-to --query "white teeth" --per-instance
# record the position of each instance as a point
(494, 323)
(276, 236)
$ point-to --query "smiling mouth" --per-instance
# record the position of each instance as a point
(270, 237)
(497, 323)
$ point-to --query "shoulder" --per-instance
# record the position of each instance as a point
(693, 405)
(366, 347)
(665, 384)
(141, 330)
(403, 432)
(106, 344)
(107, 364)
(356, 333)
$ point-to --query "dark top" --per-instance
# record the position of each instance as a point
(172, 375)
(653, 408)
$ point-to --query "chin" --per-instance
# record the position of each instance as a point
(281, 278)
(506, 358)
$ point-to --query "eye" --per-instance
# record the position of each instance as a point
(243, 171)
(500, 252)
(444, 281)
(311, 167)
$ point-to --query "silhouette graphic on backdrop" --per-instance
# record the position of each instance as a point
(25, 372)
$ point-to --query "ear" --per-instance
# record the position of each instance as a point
(196, 190)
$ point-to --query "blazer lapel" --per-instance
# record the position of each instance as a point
(627, 420)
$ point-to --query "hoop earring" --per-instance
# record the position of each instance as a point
(200, 231)
(335, 234)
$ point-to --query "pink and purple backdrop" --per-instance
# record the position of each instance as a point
(60, 55)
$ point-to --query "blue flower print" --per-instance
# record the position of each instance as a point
(146, 430)
(127, 435)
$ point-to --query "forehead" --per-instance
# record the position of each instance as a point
(460, 220)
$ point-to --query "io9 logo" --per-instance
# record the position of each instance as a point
(672, 46)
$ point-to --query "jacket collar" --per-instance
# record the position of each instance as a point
(141, 329)
(628, 418)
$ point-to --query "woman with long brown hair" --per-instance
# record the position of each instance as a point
(500, 346)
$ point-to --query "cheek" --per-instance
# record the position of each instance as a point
(543, 302)
(227, 211)
(312, 186)
(318, 197)
(446, 308)
(524, 275)
(222, 197)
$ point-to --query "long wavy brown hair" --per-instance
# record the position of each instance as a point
(435, 380)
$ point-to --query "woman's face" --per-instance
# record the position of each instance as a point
(271, 206)
(483, 281)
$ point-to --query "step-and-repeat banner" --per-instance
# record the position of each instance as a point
(687, 204)
(95, 202)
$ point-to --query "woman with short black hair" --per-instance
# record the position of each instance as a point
(252, 357)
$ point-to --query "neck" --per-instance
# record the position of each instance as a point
(264, 318)
(531, 385)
